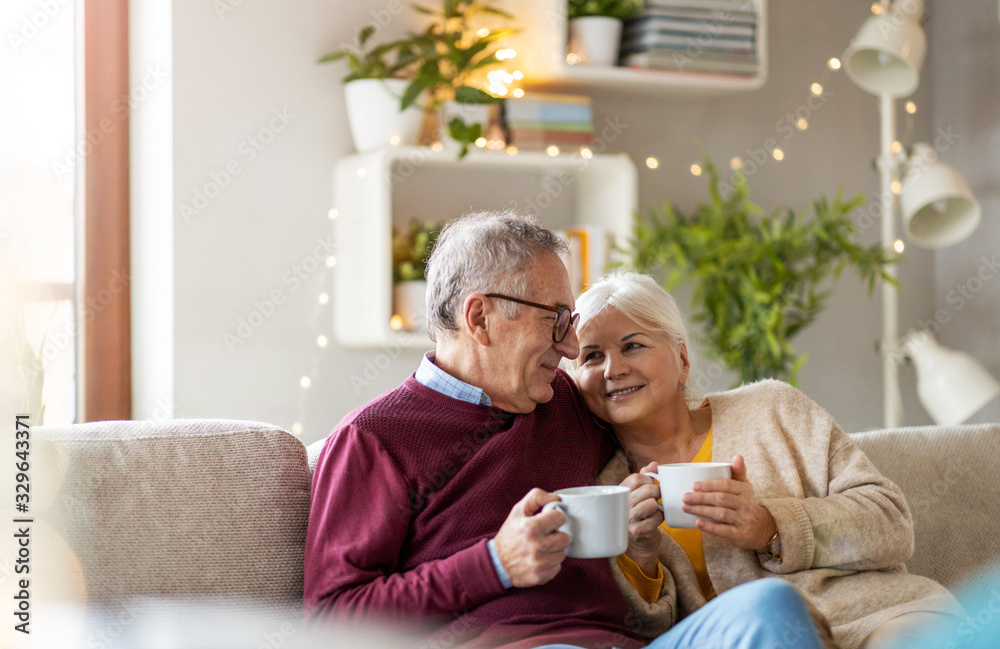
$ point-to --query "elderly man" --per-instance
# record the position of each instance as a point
(426, 502)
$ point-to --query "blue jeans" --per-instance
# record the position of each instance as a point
(766, 613)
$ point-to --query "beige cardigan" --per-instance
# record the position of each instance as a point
(845, 529)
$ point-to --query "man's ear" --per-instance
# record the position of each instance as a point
(682, 350)
(476, 312)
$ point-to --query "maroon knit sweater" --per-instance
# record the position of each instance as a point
(408, 490)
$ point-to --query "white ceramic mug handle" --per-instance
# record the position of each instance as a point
(655, 476)
(555, 504)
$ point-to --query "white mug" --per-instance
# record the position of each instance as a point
(596, 520)
(678, 479)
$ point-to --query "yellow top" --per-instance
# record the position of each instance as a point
(690, 542)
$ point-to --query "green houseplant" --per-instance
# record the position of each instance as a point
(450, 52)
(758, 280)
(595, 29)
(411, 248)
(619, 9)
(373, 86)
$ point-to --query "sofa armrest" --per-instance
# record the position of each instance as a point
(181, 508)
(951, 478)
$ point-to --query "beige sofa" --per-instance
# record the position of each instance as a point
(218, 508)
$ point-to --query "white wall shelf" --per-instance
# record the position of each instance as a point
(601, 191)
(541, 55)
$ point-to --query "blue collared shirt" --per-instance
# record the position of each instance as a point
(437, 379)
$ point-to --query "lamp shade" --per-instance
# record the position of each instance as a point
(951, 385)
(939, 210)
(886, 55)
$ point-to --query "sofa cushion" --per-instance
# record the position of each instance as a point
(949, 476)
(183, 508)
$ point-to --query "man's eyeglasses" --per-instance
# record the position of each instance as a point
(564, 320)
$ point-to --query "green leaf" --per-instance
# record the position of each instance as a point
(470, 95)
(332, 56)
(365, 34)
(411, 94)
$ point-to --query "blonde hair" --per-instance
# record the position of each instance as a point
(637, 296)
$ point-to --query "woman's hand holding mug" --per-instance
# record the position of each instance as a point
(644, 519)
(732, 510)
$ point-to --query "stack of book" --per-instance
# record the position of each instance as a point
(540, 120)
(707, 36)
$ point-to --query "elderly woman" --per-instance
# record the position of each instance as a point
(804, 503)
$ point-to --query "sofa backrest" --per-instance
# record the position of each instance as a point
(183, 508)
(951, 479)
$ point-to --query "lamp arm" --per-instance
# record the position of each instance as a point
(888, 166)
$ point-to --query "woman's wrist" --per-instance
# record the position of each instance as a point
(649, 564)
(769, 529)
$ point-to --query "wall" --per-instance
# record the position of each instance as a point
(247, 97)
(967, 291)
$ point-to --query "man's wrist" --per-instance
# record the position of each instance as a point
(491, 545)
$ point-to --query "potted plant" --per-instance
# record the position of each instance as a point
(758, 280)
(595, 28)
(373, 89)
(450, 52)
(411, 249)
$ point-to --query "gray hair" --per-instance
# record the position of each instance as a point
(641, 299)
(483, 252)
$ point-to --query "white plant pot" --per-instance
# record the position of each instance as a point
(410, 304)
(595, 40)
(374, 115)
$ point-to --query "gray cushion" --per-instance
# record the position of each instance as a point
(950, 478)
(181, 508)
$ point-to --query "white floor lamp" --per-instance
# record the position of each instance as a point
(884, 59)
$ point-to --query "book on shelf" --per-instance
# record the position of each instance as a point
(651, 24)
(721, 5)
(681, 62)
(519, 137)
(528, 111)
(715, 16)
(567, 127)
(718, 43)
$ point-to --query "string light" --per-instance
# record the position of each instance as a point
(816, 89)
(778, 154)
(899, 246)
(436, 146)
(396, 322)
(736, 163)
(483, 33)
(695, 170)
(512, 150)
(586, 153)
(572, 58)
(305, 382)
(802, 124)
(518, 75)
(897, 146)
(331, 261)
(481, 142)
(333, 213)
(394, 140)
(297, 428)
(518, 93)
(833, 64)
(652, 163)
(911, 107)
(324, 298)
(896, 187)
(877, 8)
(362, 172)
(552, 150)
(322, 341)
